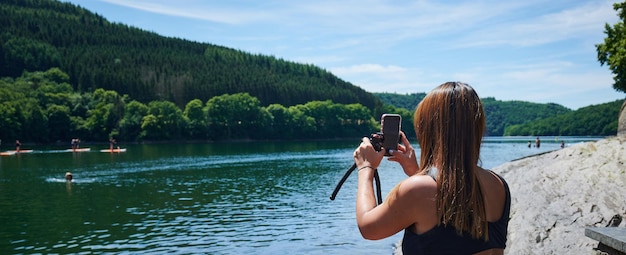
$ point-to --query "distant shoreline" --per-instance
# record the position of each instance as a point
(521, 139)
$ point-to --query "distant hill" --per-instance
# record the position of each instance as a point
(500, 114)
(599, 120)
(40, 34)
(406, 101)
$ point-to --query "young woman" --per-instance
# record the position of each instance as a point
(448, 204)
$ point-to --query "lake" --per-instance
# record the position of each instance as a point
(214, 198)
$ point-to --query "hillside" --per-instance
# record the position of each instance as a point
(40, 34)
(406, 101)
(500, 114)
(598, 119)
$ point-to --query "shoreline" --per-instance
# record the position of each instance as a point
(556, 194)
(522, 139)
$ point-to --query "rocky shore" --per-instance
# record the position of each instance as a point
(556, 195)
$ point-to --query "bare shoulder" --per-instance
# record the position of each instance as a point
(420, 184)
(416, 198)
(414, 190)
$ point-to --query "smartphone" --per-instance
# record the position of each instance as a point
(390, 125)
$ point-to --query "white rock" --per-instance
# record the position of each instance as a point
(557, 194)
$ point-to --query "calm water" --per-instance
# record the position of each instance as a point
(236, 198)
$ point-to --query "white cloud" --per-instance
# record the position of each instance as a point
(370, 69)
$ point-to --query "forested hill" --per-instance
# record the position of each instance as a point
(598, 119)
(40, 34)
(406, 101)
(500, 114)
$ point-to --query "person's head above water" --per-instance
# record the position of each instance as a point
(68, 176)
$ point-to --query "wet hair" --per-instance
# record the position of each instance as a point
(449, 124)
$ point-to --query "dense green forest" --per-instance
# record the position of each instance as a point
(594, 119)
(43, 107)
(406, 101)
(501, 114)
(41, 34)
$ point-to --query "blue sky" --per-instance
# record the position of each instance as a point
(536, 51)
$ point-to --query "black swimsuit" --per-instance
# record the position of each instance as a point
(444, 239)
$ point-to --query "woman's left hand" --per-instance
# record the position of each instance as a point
(405, 155)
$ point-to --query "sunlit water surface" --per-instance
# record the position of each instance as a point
(217, 198)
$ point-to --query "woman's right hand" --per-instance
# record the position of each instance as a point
(405, 155)
(365, 155)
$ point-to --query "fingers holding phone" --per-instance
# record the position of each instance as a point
(405, 155)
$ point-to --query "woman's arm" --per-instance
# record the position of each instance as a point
(410, 202)
(399, 211)
(367, 161)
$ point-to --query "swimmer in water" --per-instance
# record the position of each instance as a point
(68, 177)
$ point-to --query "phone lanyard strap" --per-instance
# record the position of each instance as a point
(345, 177)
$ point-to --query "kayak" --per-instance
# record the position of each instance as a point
(113, 150)
(9, 153)
(79, 150)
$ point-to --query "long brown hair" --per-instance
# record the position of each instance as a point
(449, 124)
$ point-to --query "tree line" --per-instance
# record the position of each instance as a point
(43, 107)
(520, 118)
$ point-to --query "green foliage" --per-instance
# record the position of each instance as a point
(611, 51)
(196, 118)
(501, 114)
(42, 107)
(165, 121)
(591, 120)
(21, 54)
(406, 101)
(40, 34)
(58, 122)
(131, 123)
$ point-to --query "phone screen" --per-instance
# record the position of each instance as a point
(390, 125)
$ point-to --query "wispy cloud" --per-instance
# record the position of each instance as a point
(533, 50)
(196, 10)
(580, 21)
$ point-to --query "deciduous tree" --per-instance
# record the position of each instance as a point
(611, 52)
